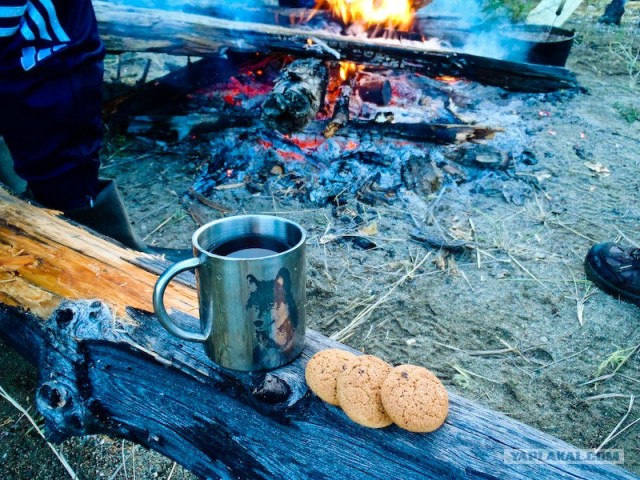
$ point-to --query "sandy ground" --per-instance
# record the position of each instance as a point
(511, 322)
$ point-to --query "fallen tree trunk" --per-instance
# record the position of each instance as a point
(78, 307)
(297, 96)
(139, 29)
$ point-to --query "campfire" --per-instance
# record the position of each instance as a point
(353, 101)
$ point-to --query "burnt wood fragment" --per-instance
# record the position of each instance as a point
(376, 91)
(167, 89)
(340, 117)
(427, 132)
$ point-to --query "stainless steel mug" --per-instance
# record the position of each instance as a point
(250, 273)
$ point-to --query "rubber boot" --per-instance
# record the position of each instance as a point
(108, 216)
(8, 176)
(613, 13)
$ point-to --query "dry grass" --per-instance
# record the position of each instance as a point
(34, 425)
(372, 303)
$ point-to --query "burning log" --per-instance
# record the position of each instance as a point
(377, 90)
(297, 96)
(140, 29)
(106, 366)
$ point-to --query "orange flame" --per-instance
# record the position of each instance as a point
(349, 69)
(395, 14)
(448, 79)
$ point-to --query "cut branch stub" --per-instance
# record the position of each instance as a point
(62, 395)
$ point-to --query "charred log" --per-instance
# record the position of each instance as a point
(425, 132)
(340, 116)
(172, 87)
(297, 96)
(376, 91)
(179, 127)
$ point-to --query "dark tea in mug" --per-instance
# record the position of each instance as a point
(251, 246)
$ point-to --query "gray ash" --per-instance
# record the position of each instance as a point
(364, 165)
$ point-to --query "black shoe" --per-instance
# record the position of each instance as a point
(108, 216)
(615, 269)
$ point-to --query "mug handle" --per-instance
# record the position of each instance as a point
(158, 301)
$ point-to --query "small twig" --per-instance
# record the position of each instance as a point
(209, 203)
(525, 270)
(117, 470)
(124, 462)
(464, 371)
(230, 186)
(613, 432)
(561, 360)
(476, 353)
(25, 413)
(145, 73)
(172, 470)
(598, 379)
(604, 396)
(323, 47)
(625, 428)
(366, 312)
(167, 220)
(621, 233)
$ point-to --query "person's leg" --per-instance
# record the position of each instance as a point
(615, 269)
(55, 135)
(8, 176)
(613, 13)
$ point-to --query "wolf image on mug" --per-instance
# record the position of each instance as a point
(274, 306)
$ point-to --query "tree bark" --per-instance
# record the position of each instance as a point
(139, 29)
(78, 307)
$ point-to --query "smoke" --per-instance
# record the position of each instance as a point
(472, 28)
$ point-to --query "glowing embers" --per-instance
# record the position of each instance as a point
(391, 14)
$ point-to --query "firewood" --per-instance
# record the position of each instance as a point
(140, 29)
(340, 112)
(376, 91)
(166, 90)
(426, 132)
(297, 96)
(179, 127)
(78, 308)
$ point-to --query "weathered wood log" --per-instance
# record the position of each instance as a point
(139, 29)
(376, 91)
(106, 366)
(297, 95)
